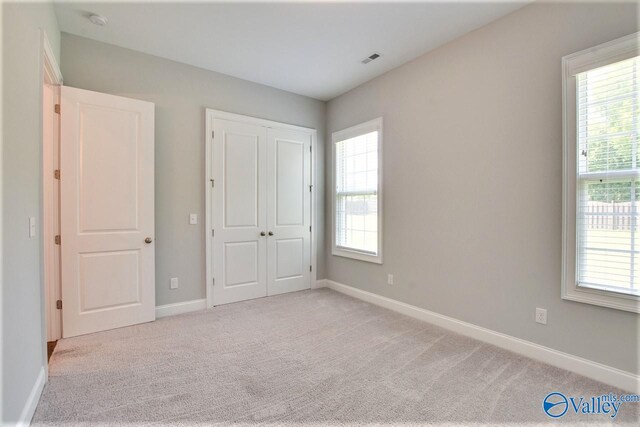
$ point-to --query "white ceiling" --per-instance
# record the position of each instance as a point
(310, 48)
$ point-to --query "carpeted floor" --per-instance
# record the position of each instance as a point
(313, 357)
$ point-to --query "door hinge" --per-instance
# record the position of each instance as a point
(56, 108)
(56, 174)
(213, 232)
(310, 187)
(310, 268)
(310, 148)
(309, 228)
(213, 183)
(57, 239)
(212, 134)
(59, 304)
(213, 281)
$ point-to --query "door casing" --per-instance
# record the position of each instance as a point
(50, 221)
(211, 115)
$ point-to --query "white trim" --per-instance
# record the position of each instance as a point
(180, 308)
(33, 399)
(52, 73)
(606, 53)
(341, 135)
(51, 212)
(210, 115)
(208, 208)
(322, 283)
(594, 370)
(224, 115)
(52, 318)
(315, 197)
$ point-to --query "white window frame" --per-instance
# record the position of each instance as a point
(598, 56)
(352, 132)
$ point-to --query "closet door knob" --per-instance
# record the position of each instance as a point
(271, 233)
(148, 240)
(262, 233)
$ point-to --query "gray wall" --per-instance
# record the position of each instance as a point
(181, 94)
(473, 180)
(472, 175)
(23, 334)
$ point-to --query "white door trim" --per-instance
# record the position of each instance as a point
(51, 76)
(210, 115)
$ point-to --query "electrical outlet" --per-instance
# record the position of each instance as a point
(541, 316)
(390, 279)
(193, 219)
(174, 283)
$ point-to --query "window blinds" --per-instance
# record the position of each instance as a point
(356, 194)
(608, 177)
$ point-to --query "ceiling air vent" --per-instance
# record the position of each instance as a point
(370, 58)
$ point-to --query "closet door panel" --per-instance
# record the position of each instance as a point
(289, 204)
(239, 211)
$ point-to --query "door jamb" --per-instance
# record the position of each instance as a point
(210, 115)
(50, 203)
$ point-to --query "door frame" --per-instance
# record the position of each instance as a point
(50, 219)
(210, 116)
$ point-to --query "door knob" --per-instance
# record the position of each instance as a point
(148, 240)
(271, 233)
(262, 233)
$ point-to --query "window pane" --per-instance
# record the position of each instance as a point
(608, 235)
(356, 193)
(354, 158)
(608, 116)
(357, 222)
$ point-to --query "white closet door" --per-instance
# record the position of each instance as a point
(289, 210)
(107, 211)
(239, 211)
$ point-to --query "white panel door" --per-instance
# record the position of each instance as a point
(289, 210)
(239, 211)
(107, 211)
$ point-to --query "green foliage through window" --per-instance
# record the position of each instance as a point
(608, 119)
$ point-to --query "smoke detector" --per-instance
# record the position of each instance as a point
(370, 58)
(98, 19)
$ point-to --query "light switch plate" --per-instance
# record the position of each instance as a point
(193, 219)
(174, 283)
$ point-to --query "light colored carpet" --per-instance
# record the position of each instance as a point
(306, 358)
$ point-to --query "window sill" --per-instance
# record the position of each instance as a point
(602, 298)
(360, 256)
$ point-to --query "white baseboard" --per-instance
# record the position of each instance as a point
(180, 308)
(588, 368)
(320, 283)
(33, 399)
